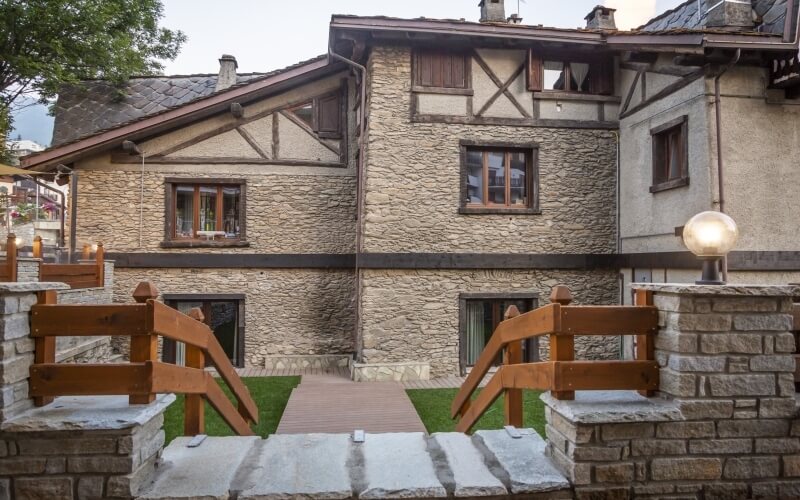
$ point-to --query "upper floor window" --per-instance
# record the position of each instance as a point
(499, 178)
(322, 114)
(204, 212)
(440, 68)
(566, 72)
(670, 155)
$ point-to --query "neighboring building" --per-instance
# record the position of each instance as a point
(393, 216)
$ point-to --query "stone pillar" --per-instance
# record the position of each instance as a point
(75, 447)
(723, 424)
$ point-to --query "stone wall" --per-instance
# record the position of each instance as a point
(725, 425)
(287, 311)
(413, 180)
(413, 315)
(284, 213)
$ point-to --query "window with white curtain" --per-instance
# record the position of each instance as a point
(566, 76)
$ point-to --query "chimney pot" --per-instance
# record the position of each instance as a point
(227, 72)
(514, 19)
(493, 11)
(601, 18)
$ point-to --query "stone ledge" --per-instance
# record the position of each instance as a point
(32, 286)
(721, 290)
(608, 407)
(83, 413)
(395, 372)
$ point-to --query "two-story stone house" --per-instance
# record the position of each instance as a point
(386, 202)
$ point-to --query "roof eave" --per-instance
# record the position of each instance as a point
(170, 119)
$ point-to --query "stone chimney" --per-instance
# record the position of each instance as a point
(601, 18)
(734, 15)
(227, 72)
(493, 11)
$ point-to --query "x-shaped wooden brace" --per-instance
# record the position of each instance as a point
(502, 87)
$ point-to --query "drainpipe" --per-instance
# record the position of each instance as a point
(73, 212)
(720, 163)
(359, 175)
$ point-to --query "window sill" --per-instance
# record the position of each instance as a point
(498, 211)
(204, 244)
(673, 184)
(560, 95)
(441, 90)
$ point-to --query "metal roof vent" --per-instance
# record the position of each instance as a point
(734, 15)
(601, 18)
(493, 11)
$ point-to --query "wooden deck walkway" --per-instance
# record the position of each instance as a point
(334, 404)
(438, 383)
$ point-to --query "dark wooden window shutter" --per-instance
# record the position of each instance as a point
(328, 116)
(602, 73)
(442, 69)
(534, 71)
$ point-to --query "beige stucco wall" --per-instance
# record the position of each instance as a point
(287, 311)
(648, 220)
(413, 180)
(413, 315)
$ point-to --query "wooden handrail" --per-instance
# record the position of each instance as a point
(144, 376)
(11, 257)
(562, 375)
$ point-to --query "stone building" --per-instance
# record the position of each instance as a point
(383, 204)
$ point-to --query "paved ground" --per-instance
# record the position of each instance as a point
(334, 404)
(439, 383)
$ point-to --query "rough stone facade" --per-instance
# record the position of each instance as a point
(413, 316)
(727, 426)
(284, 213)
(288, 311)
(413, 180)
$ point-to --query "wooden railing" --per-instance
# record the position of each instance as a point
(81, 275)
(8, 267)
(144, 376)
(561, 374)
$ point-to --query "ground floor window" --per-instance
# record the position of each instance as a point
(224, 314)
(480, 315)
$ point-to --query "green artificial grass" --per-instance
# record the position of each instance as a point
(433, 407)
(269, 393)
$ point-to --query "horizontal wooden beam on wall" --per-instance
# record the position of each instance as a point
(784, 261)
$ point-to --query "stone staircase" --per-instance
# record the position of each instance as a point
(332, 466)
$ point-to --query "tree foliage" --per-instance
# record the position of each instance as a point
(45, 44)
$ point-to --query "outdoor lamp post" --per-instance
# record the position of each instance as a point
(710, 236)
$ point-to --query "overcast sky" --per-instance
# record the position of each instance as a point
(270, 34)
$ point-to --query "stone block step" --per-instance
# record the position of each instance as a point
(331, 467)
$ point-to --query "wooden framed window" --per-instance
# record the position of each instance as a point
(565, 72)
(223, 313)
(440, 69)
(499, 178)
(322, 114)
(479, 315)
(670, 155)
(204, 212)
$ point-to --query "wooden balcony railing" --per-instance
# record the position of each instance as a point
(144, 376)
(81, 275)
(561, 374)
(8, 267)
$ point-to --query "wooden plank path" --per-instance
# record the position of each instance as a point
(334, 404)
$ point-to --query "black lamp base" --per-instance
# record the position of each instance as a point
(710, 272)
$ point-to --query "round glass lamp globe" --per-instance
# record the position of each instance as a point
(710, 234)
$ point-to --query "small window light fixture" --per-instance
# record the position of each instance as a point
(18, 242)
(710, 236)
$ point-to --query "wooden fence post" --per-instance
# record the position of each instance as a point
(87, 252)
(144, 348)
(99, 258)
(194, 421)
(562, 347)
(45, 347)
(11, 257)
(512, 355)
(645, 344)
(37, 247)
